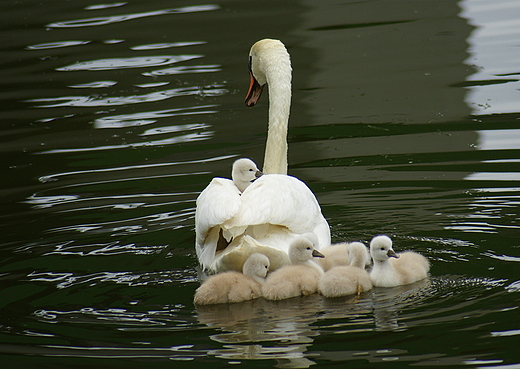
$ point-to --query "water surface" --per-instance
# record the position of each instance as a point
(115, 116)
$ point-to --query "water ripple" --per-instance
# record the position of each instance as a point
(167, 45)
(101, 21)
(55, 45)
(96, 101)
(191, 137)
(55, 177)
(104, 6)
(67, 279)
(96, 84)
(143, 118)
(184, 70)
(125, 63)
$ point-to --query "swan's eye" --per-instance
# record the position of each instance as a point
(250, 170)
(382, 249)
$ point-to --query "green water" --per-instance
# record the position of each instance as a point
(115, 116)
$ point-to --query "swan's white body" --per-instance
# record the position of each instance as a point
(298, 279)
(391, 269)
(274, 210)
(234, 286)
(344, 280)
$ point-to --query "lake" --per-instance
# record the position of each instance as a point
(114, 116)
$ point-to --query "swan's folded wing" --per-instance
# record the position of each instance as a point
(218, 202)
(281, 200)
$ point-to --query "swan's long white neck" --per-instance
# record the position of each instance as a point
(279, 82)
(272, 65)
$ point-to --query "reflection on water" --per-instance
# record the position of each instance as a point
(101, 21)
(117, 115)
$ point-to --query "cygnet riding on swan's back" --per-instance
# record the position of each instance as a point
(274, 210)
(344, 280)
(391, 269)
(298, 279)
(244, 172)
(234, 286)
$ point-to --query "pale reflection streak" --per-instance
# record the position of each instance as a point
(192, 137)
(167, 45)
(149, 117)
(184, 70)
(55, 177)
(96, 101)
(131, 279)
(100, 21)
(125, 63)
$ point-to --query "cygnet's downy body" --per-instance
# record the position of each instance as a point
(232, 286)
(344, 280)
(391, 269)
(337, 254)
(300, 278)
(244, 172)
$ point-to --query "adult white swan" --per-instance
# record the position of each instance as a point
(274, 210)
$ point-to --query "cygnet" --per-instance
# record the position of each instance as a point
(337, 254)
(234, 286)
(344, 280)
(244, 172)
(300, 278)
(391, 269)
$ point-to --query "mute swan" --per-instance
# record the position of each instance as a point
(299, 278)
(391, 269)
(344, 280)
(337, 255)
(244, 172)
(235, 286)
(274, 210)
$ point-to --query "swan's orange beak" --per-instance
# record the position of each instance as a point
(254, 92)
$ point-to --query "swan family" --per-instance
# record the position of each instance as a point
(273, 210)
(264, 235)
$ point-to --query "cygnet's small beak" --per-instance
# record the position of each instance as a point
(258, 174)
(391, 254)
(317, 254)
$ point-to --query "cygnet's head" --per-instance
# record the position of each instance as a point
(381, 248)
(302, 250)
(256, 265)
(244, 173)
(358, 254)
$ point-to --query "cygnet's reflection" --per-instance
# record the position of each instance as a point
(285, 330)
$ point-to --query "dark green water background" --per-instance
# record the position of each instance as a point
(114, 116)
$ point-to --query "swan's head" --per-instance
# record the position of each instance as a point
(267, 58)
(302, 250)
(256, 265)
(381, 248)
(244, 173)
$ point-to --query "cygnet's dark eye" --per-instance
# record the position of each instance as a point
(250, 170)
(382, 249)
(308, 248)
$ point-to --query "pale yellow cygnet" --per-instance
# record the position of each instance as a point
(232, 286)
